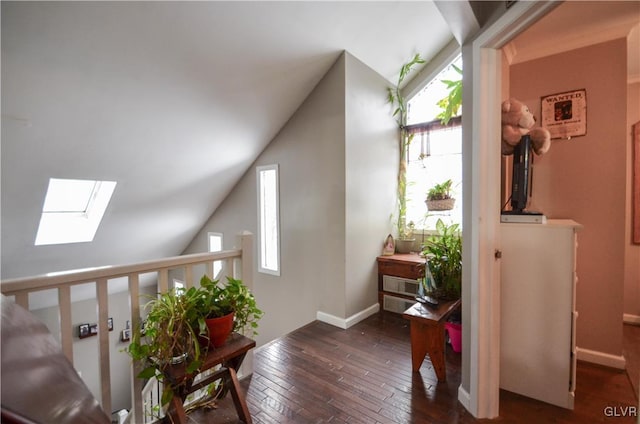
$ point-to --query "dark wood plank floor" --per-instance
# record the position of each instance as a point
(322, 374)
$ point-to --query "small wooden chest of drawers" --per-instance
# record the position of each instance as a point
(398, 280)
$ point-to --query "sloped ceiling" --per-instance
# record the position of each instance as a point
(173, 100)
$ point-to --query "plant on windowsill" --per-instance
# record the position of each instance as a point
(443, 251)
(439, 197)
(405, 243)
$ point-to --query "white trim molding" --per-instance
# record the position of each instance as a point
(601, 358)
(348, 322)
(464, 398)
(481, 156)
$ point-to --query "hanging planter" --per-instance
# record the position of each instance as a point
(439, 197)
(441, 204)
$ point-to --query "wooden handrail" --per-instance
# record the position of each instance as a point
(57, 279)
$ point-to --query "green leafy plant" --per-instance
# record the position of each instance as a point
(175, 326)
(440, 191)
(216, 300)
(399, 102)
(450, 105)
(444, 256)
(169, 336)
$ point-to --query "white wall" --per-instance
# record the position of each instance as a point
(371, 165)
(327, 185)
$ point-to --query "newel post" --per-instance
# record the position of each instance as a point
(246, 271)
(246, 264)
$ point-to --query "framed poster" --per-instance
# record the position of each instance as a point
(565, 114)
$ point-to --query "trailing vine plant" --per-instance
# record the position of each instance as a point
(399, 103)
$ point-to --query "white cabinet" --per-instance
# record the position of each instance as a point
(538, 310)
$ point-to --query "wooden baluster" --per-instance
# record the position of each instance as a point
(103, 342)
(22, 299)
(246, 244)
(209, 269)
(163, 280)
(188, 276)
(136, 383)
(66, 328)
(246, 274)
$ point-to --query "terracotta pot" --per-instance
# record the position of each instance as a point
(219, 329)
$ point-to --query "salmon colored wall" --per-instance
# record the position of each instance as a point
(584, 178)
(632, 261)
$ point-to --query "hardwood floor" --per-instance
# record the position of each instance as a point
(322, 374)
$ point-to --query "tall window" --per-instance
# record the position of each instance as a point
(268, 220)
(435, 153)
(434, 156)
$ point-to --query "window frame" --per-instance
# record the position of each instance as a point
(263, 266)
(66, 225)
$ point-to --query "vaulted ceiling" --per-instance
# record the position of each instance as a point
(172, 100)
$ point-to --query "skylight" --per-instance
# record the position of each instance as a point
(73, 210)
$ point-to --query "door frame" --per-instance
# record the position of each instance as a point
(479, 390)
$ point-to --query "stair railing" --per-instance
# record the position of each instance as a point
(238, 263)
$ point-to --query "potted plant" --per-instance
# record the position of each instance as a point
(444, 258)
(439, 197)
(226, 308)
(405, 241)
(168, 337)
(175, 327)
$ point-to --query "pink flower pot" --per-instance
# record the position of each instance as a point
(455, 335)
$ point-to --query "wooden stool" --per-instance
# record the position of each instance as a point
(230, 356)
(427, 334)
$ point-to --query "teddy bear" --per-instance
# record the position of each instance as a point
(517, 121)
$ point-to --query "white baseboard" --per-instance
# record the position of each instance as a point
(352, 320)
(464, 398)
(631, 319)
(601, 358)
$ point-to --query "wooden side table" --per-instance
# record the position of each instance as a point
(427, 334)
(409, 266)
(230, 356)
